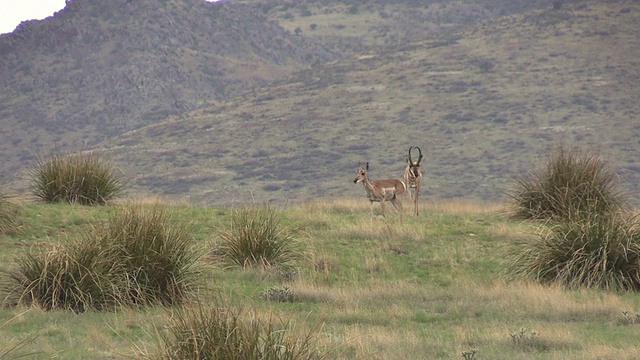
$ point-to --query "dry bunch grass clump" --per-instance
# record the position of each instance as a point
(256, 237)
(592, 240)
(81, 178)
(214, 332)
(570, 183)
(156, 259)
(138, 258)
(596, 251)
(72, 277)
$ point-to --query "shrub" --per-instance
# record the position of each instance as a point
(77, 179)
(256, 238)
(222, 333)
(526, 340)
(629, 318)
(569, 184)
(136, 259)
(596, 251)
(284, 294)
(9, 212)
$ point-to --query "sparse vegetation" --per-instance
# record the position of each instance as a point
(81, 178)
(256, 237)
(571, 183)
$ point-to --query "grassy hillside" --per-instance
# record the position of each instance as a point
(485, 104)
(485, 89)
(432, 289)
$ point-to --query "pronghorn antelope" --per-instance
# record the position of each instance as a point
(381, 190)
(412, 177)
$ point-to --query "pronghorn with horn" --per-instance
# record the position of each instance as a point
(412, 177)
(381, 190)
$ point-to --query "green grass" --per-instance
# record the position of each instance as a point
(432, 288)
(9, 215)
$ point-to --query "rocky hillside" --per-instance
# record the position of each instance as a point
(278, 100)
(486, 104)
(99, 68)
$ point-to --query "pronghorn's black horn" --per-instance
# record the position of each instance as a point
(420, 155)
(410, 162)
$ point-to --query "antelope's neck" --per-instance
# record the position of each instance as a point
(368, 186)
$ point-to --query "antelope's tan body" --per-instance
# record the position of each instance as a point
(381, 190)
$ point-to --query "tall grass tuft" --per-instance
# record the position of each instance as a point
(136, 259)
(255, 237)
(570, 183)
(596, 251)
(81, 178)
(156, 260)
(9, 212)
(222, 333)
(72, 277)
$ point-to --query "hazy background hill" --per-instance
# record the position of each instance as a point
(486, 91)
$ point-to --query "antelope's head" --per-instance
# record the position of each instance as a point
(362, 172)
(414, 165)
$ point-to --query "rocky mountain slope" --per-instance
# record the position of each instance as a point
(99, 68)
(486, 104)
(278, 101)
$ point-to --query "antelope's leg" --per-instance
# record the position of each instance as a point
(416, 199)
(398, 205)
